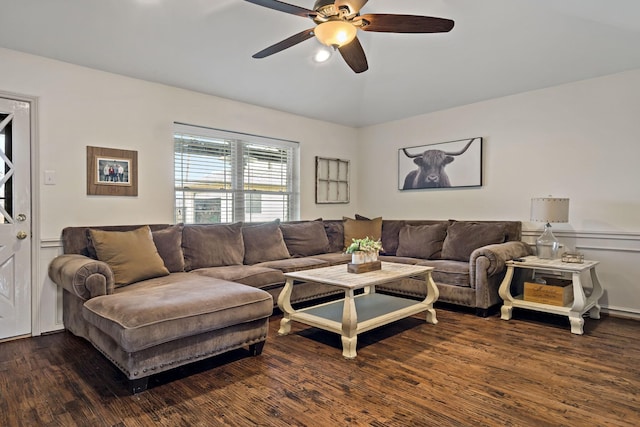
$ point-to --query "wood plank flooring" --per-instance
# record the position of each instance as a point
(464, 371)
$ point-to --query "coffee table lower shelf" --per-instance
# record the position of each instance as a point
(360, 314)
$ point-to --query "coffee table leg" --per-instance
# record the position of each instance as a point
(349, 326)
(432, 295)
(284, 303)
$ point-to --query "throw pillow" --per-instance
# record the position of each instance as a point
(212, 245)
(263, 243)
(132, 255)
(305, 238)
(169, 244)
(361, 228)
(465, 237)
(389, 236)
(421, 241)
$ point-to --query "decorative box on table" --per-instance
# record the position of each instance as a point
(554, 292)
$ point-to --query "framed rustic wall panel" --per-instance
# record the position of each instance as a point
(332, 180)
(112, 172)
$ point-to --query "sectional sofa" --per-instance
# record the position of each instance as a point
(155, 297)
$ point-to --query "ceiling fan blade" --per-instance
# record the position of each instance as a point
(354, 56)
(284, 44)
(285, 7)
(386, 23)
(353, 5)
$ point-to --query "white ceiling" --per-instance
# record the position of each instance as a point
(497, 48)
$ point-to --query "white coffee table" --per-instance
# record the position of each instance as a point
(357, 313)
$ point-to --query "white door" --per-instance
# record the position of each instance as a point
(15, 218)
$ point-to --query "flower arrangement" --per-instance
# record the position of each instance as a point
(365, 245)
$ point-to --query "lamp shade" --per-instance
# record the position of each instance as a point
(335, 33)
(549, 209)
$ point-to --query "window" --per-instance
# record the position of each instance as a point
(223, 176)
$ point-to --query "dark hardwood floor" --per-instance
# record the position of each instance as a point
(464, 371)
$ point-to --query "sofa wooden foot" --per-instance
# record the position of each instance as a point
(483, 312)
(256, 349)
(139, 385)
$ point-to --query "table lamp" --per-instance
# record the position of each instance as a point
(548, 210)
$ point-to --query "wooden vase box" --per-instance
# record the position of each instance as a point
(555, 292)
(364, 267)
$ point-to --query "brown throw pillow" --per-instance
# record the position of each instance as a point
(263, 243)
(132, 255)
(359, 229)
(465, 237)
(169, 244)
(305, 238)
(421, 241)
(212, 245)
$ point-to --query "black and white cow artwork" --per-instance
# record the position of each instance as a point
(431, 168)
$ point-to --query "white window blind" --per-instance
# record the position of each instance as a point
(223, 176)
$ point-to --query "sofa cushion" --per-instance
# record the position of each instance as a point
(169, 244)
(305, 238)
(295, 264)
(464, 237)
(263, 242)
(335, 233)
(131, 255)
(252, 275)
(334, 258)
(361, 228)
(164, 309)
(212, 245)
(450, 272)
(421, 241)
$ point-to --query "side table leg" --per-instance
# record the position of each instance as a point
(506, 311)
(284, 303)
(349, 334)
(505, 293)
(596, 294)
(577, 323)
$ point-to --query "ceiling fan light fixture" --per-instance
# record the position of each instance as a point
(335, 33)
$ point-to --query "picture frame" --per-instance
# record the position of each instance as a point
(112, 172)
(332, 180)
(444, 165)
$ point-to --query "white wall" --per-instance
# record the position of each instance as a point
(80, 106)
(580, 140)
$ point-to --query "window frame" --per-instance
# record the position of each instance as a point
(235, 193)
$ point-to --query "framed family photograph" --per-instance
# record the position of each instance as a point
(112, 172)
(445, 165)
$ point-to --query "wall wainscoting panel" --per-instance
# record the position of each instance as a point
(50, 309)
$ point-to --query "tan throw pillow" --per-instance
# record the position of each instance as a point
(465, 237)
(132, 255)
(263, 243)
(361, 228)
(421, 241)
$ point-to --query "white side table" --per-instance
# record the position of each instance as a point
(574, 311)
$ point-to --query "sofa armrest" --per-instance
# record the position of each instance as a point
(82, 276)
(497, 255)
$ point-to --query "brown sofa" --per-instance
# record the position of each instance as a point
(200, 290)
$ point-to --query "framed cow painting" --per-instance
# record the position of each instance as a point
(445, 165)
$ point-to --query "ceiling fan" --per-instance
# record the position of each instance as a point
(337, 23)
